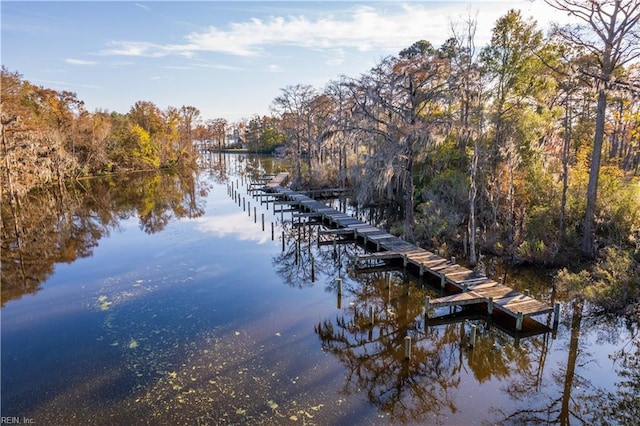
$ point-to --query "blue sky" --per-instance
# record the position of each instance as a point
(228, 59)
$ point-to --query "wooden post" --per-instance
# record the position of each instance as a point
(272, 227)
(283, 241)
(255, 216)
(339, 286)
(407, 347)
(556, 315)
(490, 306)
(453, 259)
(371, 315)
(472, 340)
(465, 287)
(427, 302)
(519, 318)
(243, 205)
(443, 281)
(526, 292)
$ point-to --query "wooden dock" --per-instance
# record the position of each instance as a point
(468, 286)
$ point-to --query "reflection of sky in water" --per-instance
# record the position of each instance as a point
(233, 225)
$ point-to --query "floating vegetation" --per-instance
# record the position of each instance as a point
(224, 377)
(103, 303)
(185, 371)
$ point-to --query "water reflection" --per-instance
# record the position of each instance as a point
(544, 384)
(63, 224)
(187, 333)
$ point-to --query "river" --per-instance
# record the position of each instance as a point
(156, 298)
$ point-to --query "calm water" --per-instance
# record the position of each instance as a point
(157, 299)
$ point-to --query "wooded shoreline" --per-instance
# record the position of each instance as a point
(528, 148)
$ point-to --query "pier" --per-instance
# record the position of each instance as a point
(463, 286)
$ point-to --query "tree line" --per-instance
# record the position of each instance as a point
(528, 147)
(48, 136)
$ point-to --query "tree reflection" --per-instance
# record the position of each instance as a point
(62, 224)
(572, 396)
(386, 306)
(369, 338)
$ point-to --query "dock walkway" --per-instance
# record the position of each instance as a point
(468, 286)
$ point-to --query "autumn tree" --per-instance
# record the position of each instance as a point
(218, 130)
(398, 103)
(610, 32)
(518, 116)
(190, 116)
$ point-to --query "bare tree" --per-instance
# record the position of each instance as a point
(467, 87)
(294, 108)
(610, 32)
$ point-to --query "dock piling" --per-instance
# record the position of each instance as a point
(407, 347)
(519, 319)
(556, 315)
(472, 339)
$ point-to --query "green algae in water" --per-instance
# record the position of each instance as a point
(104, 303)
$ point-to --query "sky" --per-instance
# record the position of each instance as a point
(229, 59)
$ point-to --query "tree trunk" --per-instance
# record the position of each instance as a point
(473, 192)
(588, 238)
(408, 209)
(565, 173)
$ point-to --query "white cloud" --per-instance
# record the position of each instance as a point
(142, 6)
(384, 27)
(79, 62)
(62, 85)
(143, 48)
(274, 68)
(363, 28)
